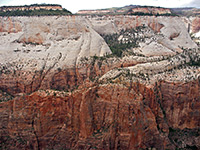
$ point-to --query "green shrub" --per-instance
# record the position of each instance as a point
(117, 47)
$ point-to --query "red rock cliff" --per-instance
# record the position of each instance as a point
(132, 102)
(110, 116)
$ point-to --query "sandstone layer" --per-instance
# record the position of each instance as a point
(126, 115)
(151, 10)
(32, 55)
(31, 7)
(61, 88)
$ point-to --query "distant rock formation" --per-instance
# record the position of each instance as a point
(129, 10)
(150, 10)
(94, 11)
(31, 7)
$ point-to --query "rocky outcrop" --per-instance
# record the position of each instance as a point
(195, 25)
(150, 10)
(132, 9)
(42, 49)
(51, 53)
(161, 36)
(31, 7)
(60, 87)
(107, 116)
(192, 23)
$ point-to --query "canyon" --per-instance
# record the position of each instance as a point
(62, 87)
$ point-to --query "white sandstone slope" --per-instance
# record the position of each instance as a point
(45, 52)
(163, 35)
(63, 40)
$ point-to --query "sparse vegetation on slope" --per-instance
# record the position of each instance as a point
(126, 39)
(70, 92)
(151, 14)
(41, 12)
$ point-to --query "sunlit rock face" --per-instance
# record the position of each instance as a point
(33, 48)
(61, 89)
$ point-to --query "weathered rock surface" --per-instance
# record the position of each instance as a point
(162, 33)
(150, 10)
(43, 47)
(54, 96)
(35, 55)
(54, 35)
(107, 116)
(195, 24)
(192, 23)
(127, 10)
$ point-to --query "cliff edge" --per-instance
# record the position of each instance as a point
(108, 82)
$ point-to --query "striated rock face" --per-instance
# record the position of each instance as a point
(192, 24)
(185, 100)
(59, 88)
(195, 25)
(107, 116)
(48, 52)
(43, 48)
(162, 35)
(155, 26)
